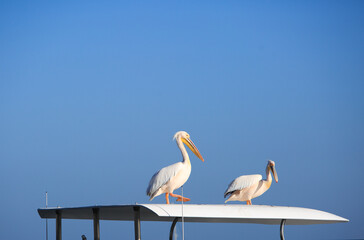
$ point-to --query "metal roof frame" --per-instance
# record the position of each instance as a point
(232, 213)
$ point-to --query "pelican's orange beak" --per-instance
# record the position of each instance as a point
(273, 168)
(193, 148)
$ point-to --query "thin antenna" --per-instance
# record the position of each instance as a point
(46, 218)
(183, 219)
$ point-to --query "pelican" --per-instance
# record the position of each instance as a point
(247, 187)
(174, 176)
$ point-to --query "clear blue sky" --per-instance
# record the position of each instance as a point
(92, 92)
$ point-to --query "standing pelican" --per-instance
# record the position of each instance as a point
(245, 188)
(174, 176)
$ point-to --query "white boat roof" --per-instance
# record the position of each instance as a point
(205, 213)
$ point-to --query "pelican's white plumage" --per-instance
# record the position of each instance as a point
(162, 177)
(247, 187)
(243, 182)
(174, 176)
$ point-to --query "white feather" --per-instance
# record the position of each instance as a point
(242, 182)
(161, 177)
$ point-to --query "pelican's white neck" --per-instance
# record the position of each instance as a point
(269, 174)
(181, 147)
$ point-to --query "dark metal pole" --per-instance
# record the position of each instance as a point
(46, 218)
(172, 227)
(95, 212)
(137, 223)
(59, 225)
(46, 228)
(282, 228)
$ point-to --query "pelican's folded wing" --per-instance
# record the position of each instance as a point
(242, 182)
(162, 177)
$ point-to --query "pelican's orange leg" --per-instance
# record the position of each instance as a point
(167, 198)
(179, 197)
(249, 202)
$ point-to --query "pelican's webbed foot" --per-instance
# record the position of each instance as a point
(179, 198)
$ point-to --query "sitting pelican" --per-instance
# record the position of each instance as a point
(174, 176)
(247, 187)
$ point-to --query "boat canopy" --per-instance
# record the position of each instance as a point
(203, 213)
